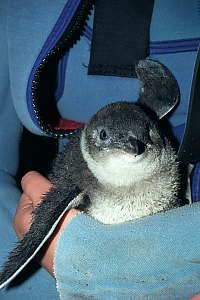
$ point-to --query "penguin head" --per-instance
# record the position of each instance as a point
(122, 142)
(121, 127)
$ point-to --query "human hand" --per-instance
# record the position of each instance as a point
(196, 297)
(35, 186)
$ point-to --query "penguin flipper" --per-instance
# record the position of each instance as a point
(46, 217)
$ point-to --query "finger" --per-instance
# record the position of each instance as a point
(196, 297)
(25, 203)
(23, 216)
(35, 186)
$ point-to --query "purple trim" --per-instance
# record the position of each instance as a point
(196, 183)
(62, 66)
(55, 35)
(174, 46)
(179, 132)
(88, 32)
(171, 46)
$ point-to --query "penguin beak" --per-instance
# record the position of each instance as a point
(130, 146)
(133, 147)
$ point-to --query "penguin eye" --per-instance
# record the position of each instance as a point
(103, 135)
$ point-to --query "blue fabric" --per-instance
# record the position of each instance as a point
(53, 38)
(178, 132)
(29, 25)
(175, 20)
(40, 283)
(24, 29)
(79, 103)
(155, 257)
(32, 283)
(196, 183)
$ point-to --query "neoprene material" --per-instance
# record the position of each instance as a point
(25, 26)
(129, 22)
(152, 258)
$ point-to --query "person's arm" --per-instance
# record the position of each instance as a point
(156, 256)
(30, 198)
(10, 127)
(10, 133)
(196, 297)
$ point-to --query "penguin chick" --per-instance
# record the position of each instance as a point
(118, 168)
(135, 167)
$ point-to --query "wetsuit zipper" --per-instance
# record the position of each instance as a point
(72, 34)
(68, 39)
